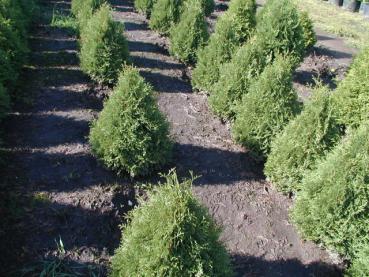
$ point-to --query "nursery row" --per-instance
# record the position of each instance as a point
(318, 150)
(131, 135)
(15, 18)
(323, 156)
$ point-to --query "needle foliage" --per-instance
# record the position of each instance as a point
(131, 135)
(232, 29)
(172, 235)
(304, 141)
(104, 49)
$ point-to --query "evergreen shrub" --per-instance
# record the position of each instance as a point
(280, 26)
(165, 13)
(171, 234)
(308, 28)
(83, 11)
(189, 34)
(232, 29)
(131, 134)
(333, 205)
(15, 16)
(207, 6)
(236, 76)
(267, 108)
(351, 97)
(104, 49)
(80, 5)
(278, 31)
(306, 139)
(144, 6)
(360, 264)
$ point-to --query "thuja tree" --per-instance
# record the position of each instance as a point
(171, 234)
(83, 11)
(144, 6)
(333, 205)
(12, 52)
(165, 14)
(232, 29)
(104, 48)
(267, 108)
(360, 265)
(280, 26)
(131, 135)
(351, 97)
(79, 5)
(306, 139)
(207, 6)
(308, 29)
(236, 76)
(189, 34)
(13, 41)
(278, 32)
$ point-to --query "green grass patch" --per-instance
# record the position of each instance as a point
(66, 22)
(353, 27)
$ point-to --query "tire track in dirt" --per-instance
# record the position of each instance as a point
(254, 217)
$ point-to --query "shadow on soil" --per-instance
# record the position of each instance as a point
(44, 43)
(133, 26)
(215, 166)
(322, 37)
(144, 62)
(139, 46)
(332, 53)
(168, 84)
(249, 266)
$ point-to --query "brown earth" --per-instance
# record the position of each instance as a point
(67, 195)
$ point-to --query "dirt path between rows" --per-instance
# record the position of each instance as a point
(73, 198)
(68, 196)
(253, 215)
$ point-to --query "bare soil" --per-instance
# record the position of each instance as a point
(65, 194)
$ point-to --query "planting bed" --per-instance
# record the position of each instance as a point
(68, 196)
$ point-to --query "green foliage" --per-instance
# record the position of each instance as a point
(333, 205)
(279, 25)
(13, 10)
(4, 102)
(278, 32)
(236, 76)
(351, 97)
(171, 234)
(360, 264)
(69, 23)
(232, 29)
(144, 6)
(12, 54)
(104, 49)
(244, 13)
(207, 6)
(131, 134)
(15, 17)
(189, 34)
(165, 14)
(309, 33)
(80, 5)
(84, 9)
(306, 139)
(267, 108)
